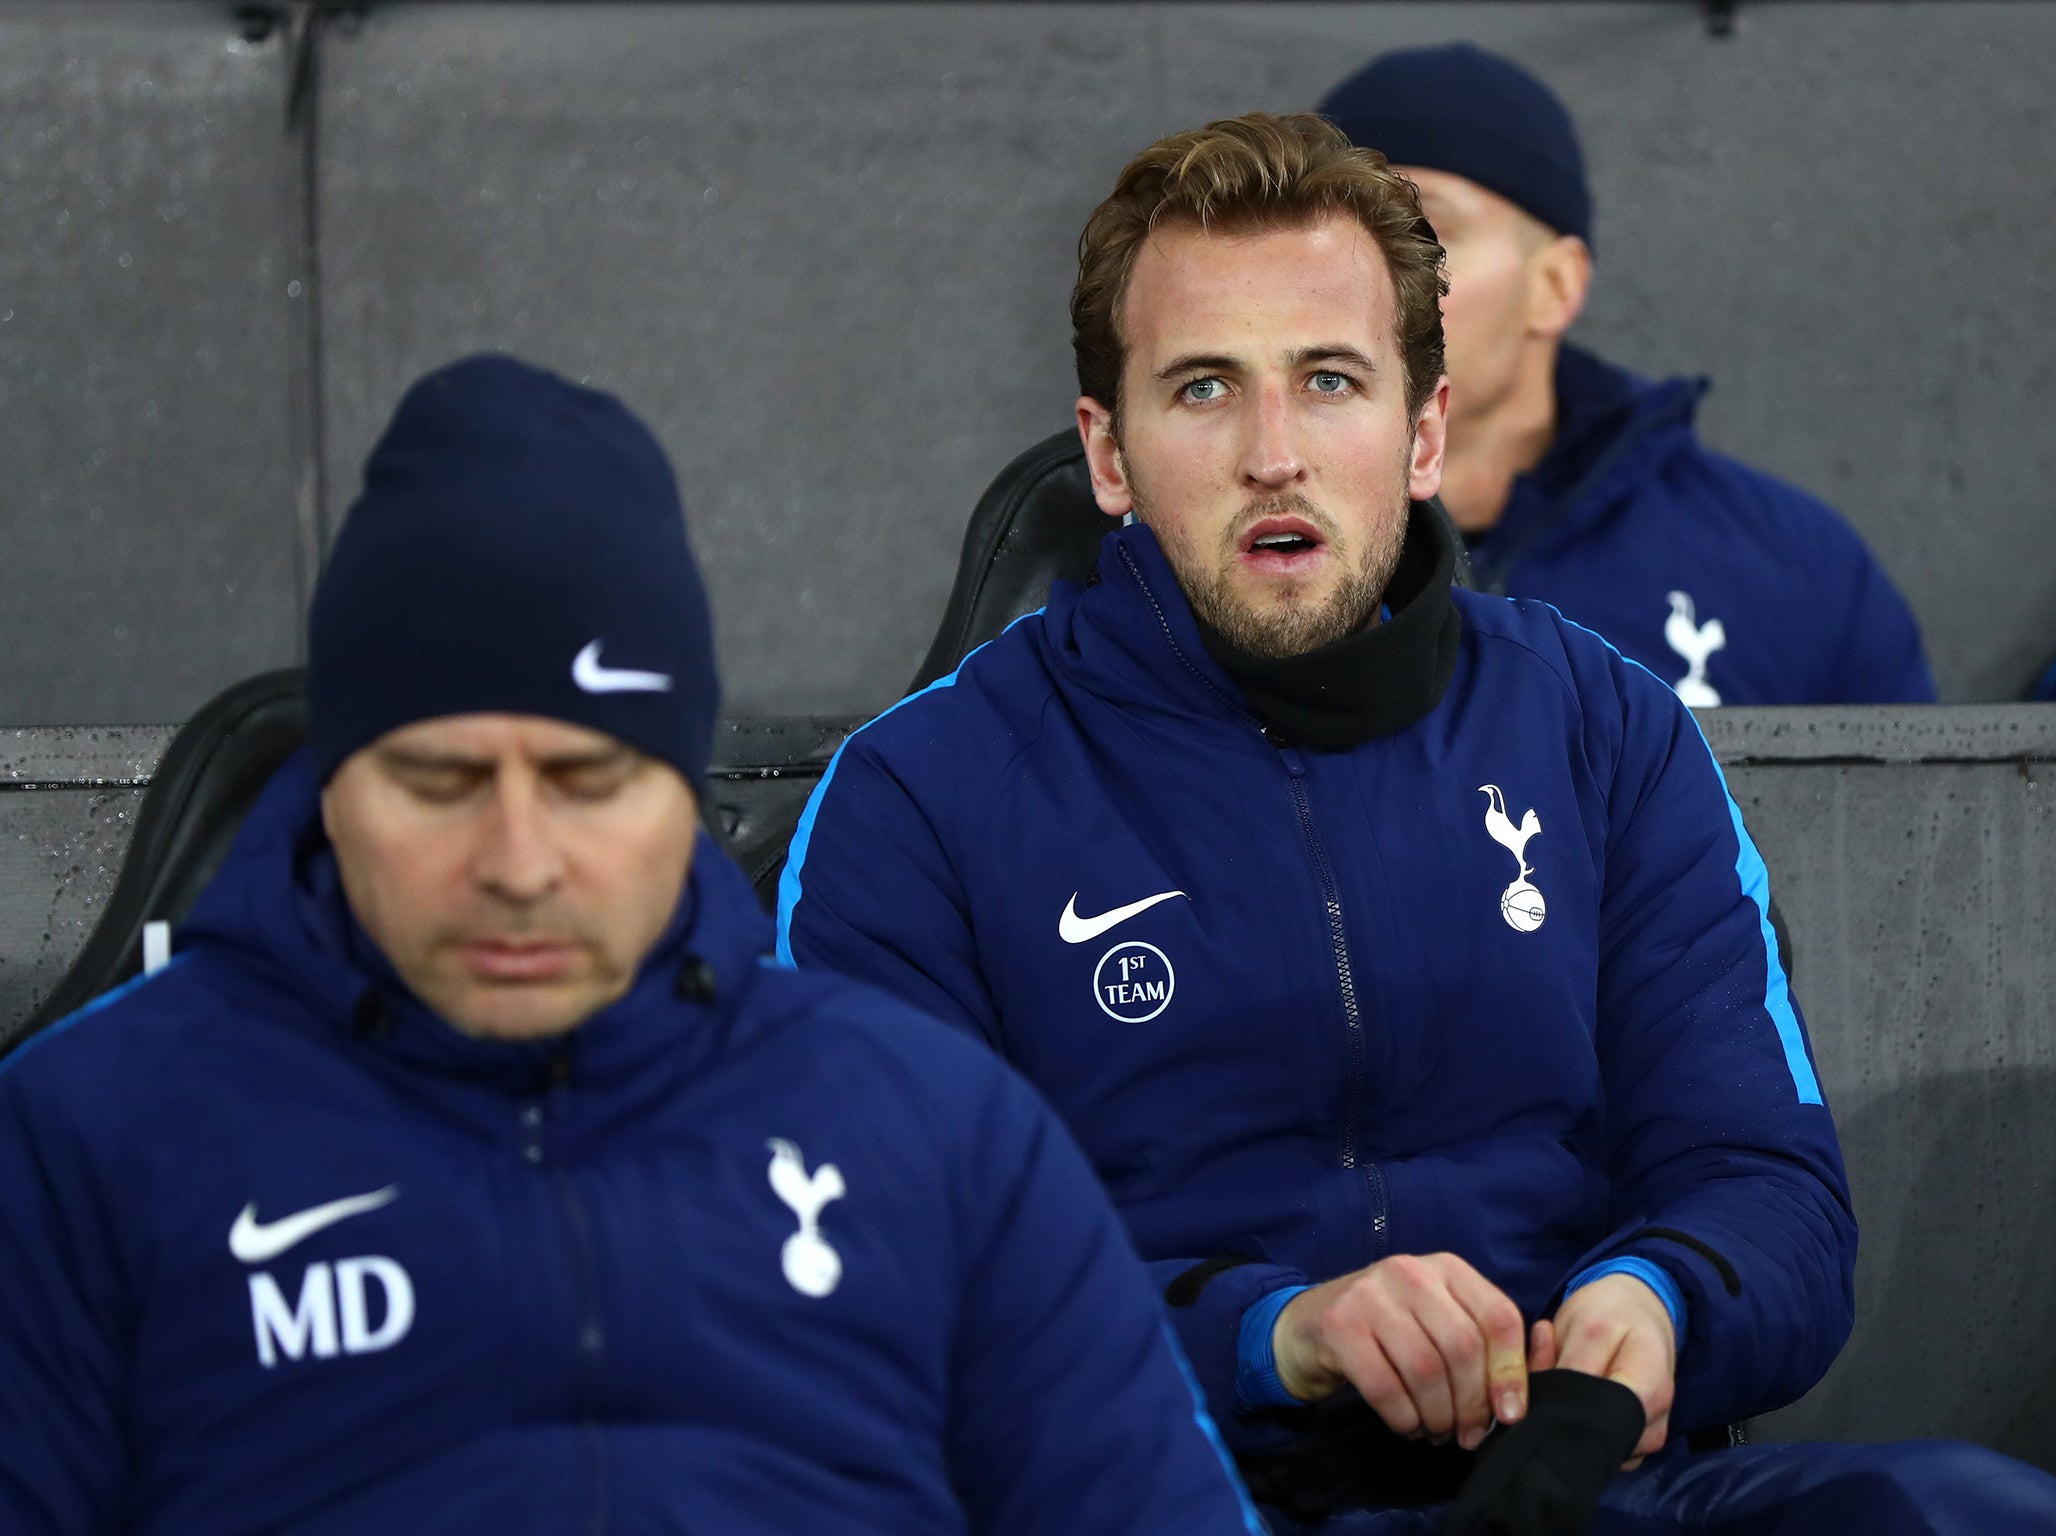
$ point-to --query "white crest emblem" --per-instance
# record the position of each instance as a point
(811, 1267)
(1694, 641)
(1520, 903)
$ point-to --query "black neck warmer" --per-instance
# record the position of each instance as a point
(1374, 682)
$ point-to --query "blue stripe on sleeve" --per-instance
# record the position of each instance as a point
(1755, 881)
(1251, 1520)
(789, 890)
(1777, 992)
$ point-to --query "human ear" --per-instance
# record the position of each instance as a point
(1103, 458)
(1430, 438)
(1561, 275)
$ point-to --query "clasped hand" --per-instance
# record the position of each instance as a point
(1439, 1352)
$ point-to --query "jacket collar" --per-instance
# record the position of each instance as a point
(1377, 681)
(1131, 637)
(276, 912)
(1614, 430)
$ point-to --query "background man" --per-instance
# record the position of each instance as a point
(467, 1171)
(1395, 951)
(1579, 483)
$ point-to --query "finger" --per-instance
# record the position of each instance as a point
(1417, 1360)
(1542, 1346)
(1461, 1347)
(1366, 1367)
(1643, 1364)
(1653, 1436)
(1498, 1322)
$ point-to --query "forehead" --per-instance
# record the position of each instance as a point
(1317, 284)
(497, 737)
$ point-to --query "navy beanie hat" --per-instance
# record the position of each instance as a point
(1460, 109)
(518, 548)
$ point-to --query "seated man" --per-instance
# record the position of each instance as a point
(1577, 482)
(467, 1171)
(1394, 951)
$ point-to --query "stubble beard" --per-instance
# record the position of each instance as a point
(1290, 624)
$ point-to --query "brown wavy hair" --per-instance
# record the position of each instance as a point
(1257, 171)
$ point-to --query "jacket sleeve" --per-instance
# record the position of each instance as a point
(1874, 646)
(869, 892)
(1072, 1407)
(62, 1466)
(1725, 1164)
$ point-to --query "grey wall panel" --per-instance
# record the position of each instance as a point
(1836, 213)
(59, 850)
(1920, 903)
(148, 285)
(827, 250)
(824, 249)
(68, 799)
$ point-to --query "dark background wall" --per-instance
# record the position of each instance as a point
(826, 249)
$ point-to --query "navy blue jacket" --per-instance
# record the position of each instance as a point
(783, 1258)
(1694, 565)
(1500, 983)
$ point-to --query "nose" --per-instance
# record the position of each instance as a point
(517, 858)
(1271, 455)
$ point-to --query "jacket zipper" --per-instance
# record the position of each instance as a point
(1338, 938)
(590, 1340)
(1345, 975)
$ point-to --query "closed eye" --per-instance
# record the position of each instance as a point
(440, 786)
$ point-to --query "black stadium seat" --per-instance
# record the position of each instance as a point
(207, 781)
(1036, 522)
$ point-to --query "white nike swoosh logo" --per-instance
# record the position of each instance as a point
(1073, 929)
(253, 1241)
(587, 672)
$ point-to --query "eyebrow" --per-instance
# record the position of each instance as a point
(1199, 362)
(1332, 352)
(1221, 362)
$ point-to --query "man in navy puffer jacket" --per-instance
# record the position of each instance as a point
(1395, 952)
(1579, 483)
(468, 1171)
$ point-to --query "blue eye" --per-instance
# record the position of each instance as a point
(1326, 383)
(1199, 391)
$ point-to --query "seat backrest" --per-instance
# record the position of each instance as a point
(205, 784)
(1037, 522)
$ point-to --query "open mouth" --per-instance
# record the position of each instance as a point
(1282, 544)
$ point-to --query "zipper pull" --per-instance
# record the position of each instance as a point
(1288, 754)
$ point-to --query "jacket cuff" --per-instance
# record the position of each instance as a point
(1651, 1274)
(1206, 1304)
(1256, 1362)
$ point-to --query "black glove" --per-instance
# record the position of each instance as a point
(1543, 1476)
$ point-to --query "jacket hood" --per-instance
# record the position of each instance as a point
(275, 912)
(1615, 430)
